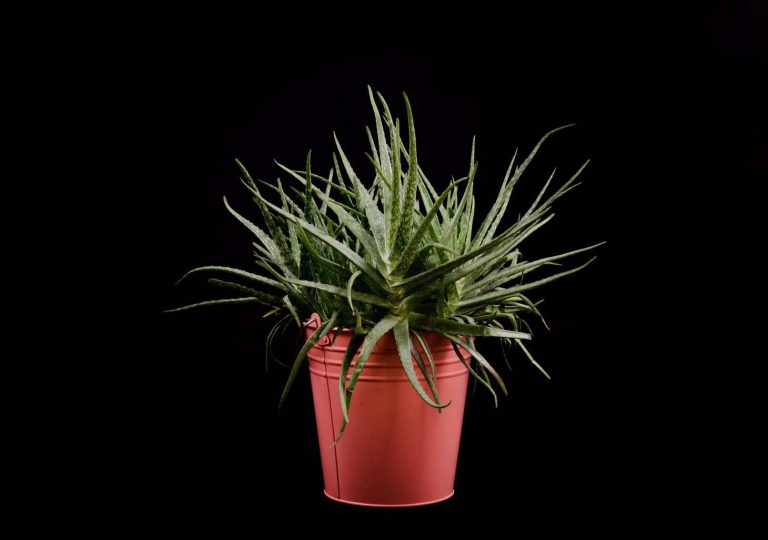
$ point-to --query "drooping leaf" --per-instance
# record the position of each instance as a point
(354, 343)
(292, 310)
(427, 352)
(316, 336)
(477, 377)
(350, 283)
(429, 377)
(372, 337)
(467, 346)
(403, 340)
(534, 362)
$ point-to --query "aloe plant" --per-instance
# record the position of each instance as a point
(393, 255)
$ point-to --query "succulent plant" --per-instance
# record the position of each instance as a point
(393, 256)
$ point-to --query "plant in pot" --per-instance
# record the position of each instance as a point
(392, 282)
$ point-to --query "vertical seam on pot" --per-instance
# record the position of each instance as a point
(333, 425)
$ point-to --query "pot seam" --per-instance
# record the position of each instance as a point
(333, 426)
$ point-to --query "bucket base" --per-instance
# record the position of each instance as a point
(441, 499)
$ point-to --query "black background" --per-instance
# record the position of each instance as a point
(668, 106)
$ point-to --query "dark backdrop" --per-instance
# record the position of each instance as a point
(651, 93)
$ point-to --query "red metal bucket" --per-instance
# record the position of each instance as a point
(396, 449)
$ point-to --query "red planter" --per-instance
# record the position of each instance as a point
(396, 450)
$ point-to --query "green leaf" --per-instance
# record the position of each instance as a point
(534, 362)
(324, 206)
(269, 351)
(466, 226)
(502, 199)
(265, 298)
(396, 180)
(323, 266)
(499, 278)
(533, 306)
(357, 296)
(283, 258)
(366, 204)
(316, 336)
(215, 303)
(292, 310)
(359, 231)
(425, 186)
(279, 190)
(236, 272)
(436, 246)
(498, 257)
(341, 248)
(296, 176)
(386, 166)
(409, 200)
(379, 174)
(504, 293)
(274, 230)
(375, 219)
(308, 186)
(318, 192)
(410, 251)
(292, 235)
(262, 236)
(505, 241)
(562, 190)
(535, 203)
(450, 227)
(446, 326)
(375, 157)
(488, 228)
(411, 283)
